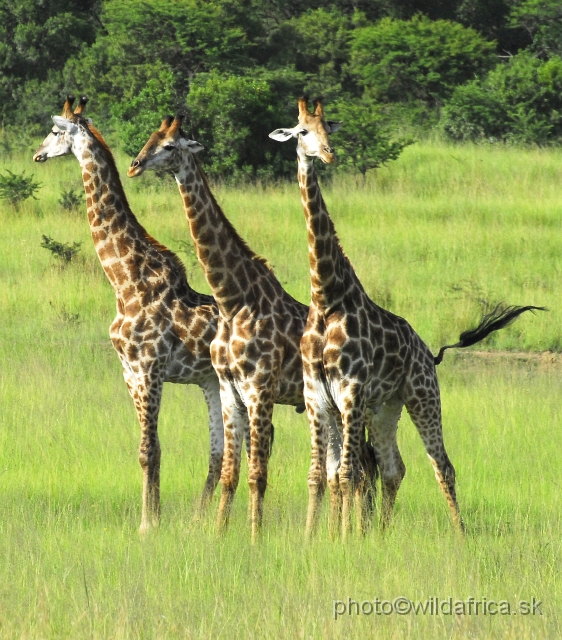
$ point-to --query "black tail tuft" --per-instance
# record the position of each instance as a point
(497, 319)
(271, 441)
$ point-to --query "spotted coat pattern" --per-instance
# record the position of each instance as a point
(163, 328)
(256, 350)
(359, 360)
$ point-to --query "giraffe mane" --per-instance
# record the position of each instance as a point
(168, 253)
(232, 230)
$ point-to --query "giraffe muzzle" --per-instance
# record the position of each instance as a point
(40, 157)
(136, 168)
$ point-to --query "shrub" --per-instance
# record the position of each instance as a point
(364, 140)
(232, 117)
(519, 101)
(61, 250)
(542, 20)
(71, 199)
(418, 59)
(138, 117)
(16, 188)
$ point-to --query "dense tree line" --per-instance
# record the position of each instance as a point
(478, 69)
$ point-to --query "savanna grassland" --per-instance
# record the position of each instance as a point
(439, 236)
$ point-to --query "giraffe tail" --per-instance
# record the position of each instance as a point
(271, 441)
(497, 319)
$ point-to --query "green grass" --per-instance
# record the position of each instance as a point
(433, 237)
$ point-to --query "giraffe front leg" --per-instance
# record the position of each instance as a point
(211, 391)
(351, 469)
(145, 389)
(147, 401)
(260, 412)
(234, 420)
(319, 419)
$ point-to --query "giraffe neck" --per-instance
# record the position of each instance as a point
(122, 244)
(230, 266)
(331, 274)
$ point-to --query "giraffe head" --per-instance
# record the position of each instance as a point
(58, 142)
(164, 149)
(312, 132)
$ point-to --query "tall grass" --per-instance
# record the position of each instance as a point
(434, 237)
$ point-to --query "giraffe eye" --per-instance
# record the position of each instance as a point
(169, 147)
(55, 133)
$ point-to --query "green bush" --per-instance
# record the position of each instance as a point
(364, 142)
(542, 20)
(15, 188)
(61, 250)
(519, 101)
(232, 117)
(71, 199)
(418, 59)
(137, 117)
(316, 44)
(139, 41)
(37, 37)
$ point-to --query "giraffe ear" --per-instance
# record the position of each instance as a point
(194, 146)
(333, 126)
(282, 135)
(190, 145)
(65, 125)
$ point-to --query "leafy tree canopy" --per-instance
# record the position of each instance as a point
(232, 117)
(36, 39)
(542, 20)
(186, 37)
(419, 59)
(364, 142)
(518, 102)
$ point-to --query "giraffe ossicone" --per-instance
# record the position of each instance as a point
(163, 328)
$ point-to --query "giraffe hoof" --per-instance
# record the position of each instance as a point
(147, 528)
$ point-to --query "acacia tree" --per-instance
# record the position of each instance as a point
(364, 140)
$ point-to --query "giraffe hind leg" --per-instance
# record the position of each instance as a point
(365, 499)
(332, 470)
(382, 428)
(319, 423)
(211, 391)
(234, 420)
(424, 407)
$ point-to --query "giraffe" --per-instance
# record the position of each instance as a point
(256, 351)
(359, 360)
(163, 328)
